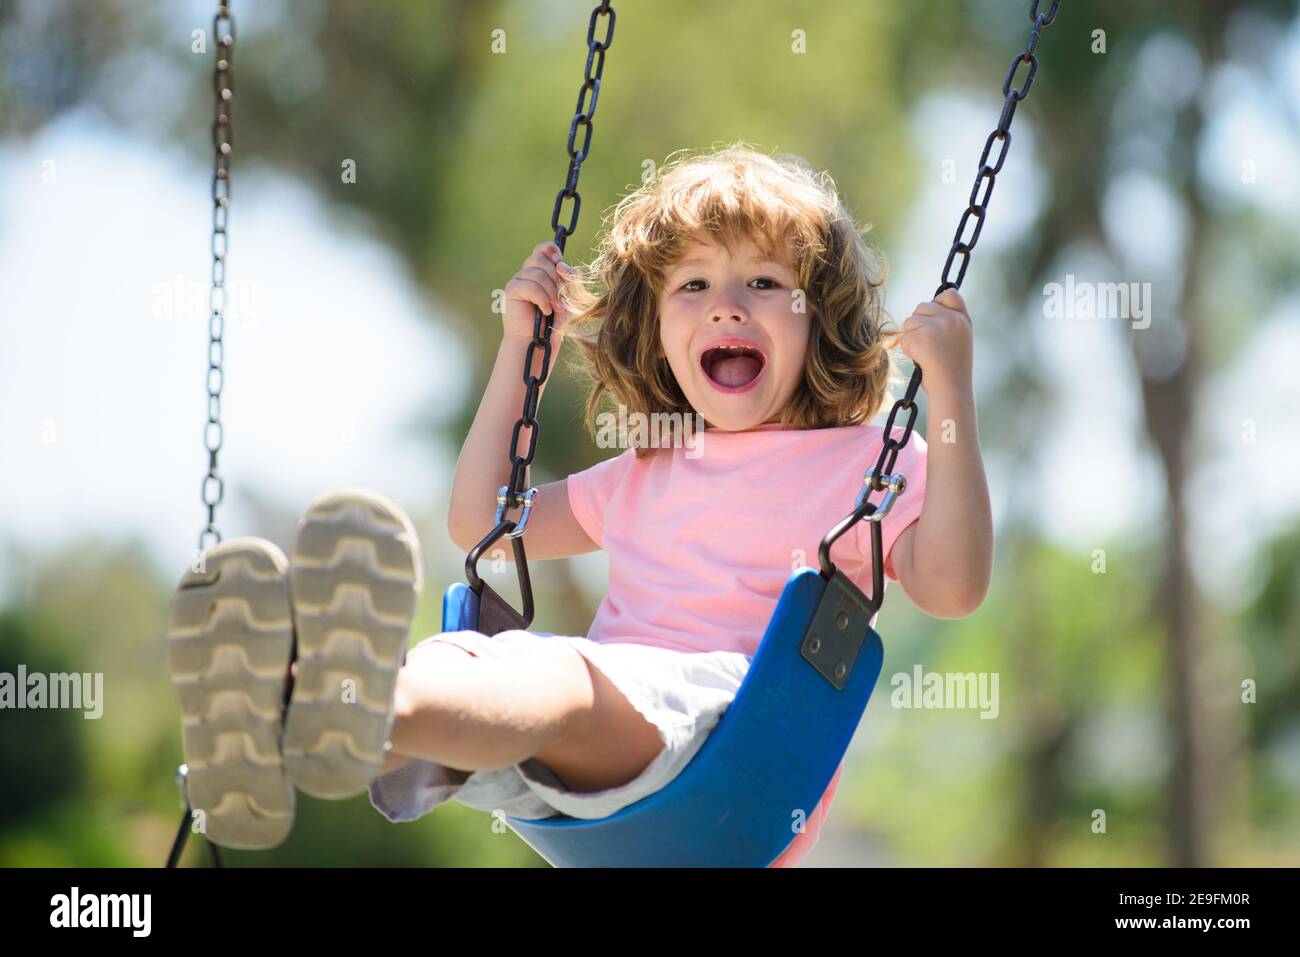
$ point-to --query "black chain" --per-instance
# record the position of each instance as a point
(974, 210)
(223, 35)
(494, 614)
(542, 324)
(880, 476)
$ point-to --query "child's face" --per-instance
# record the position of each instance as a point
(714, 294)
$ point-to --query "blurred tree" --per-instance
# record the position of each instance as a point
(46, 744)
(1076, 100)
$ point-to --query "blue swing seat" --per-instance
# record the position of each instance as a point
(771, 756)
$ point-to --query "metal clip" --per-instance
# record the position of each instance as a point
(897, 482)
(529, 497)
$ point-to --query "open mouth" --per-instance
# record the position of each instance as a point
(733, 367)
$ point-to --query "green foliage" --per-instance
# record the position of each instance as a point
(1080, 726)
(102, 792)
(29, 739)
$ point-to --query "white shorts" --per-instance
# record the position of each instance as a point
(683, 694)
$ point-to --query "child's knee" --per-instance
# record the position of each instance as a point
(444, 644)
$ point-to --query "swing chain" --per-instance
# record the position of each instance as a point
(513, 495)
(214, 487)
(542, 324)
(976, 209)
(882, 476)
(213, 490)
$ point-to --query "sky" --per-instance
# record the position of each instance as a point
(333, 354)
(330, 354)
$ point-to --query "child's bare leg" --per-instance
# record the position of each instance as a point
(470, 713)
(393, 761)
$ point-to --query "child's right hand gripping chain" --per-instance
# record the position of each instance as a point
(540, 283)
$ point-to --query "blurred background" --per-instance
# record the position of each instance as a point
(1144, 618)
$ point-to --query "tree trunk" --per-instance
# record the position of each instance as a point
(1167, 407)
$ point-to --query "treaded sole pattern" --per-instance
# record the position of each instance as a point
(229, 643)
(356, 579)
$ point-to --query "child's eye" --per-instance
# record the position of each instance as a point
(775, 283)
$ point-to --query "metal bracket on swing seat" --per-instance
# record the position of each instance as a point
(841, 622)
(838, 630)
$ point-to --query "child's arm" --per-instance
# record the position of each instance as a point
(944, 560)
(484, 463)
(484, 466)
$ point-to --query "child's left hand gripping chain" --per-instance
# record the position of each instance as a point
(937, 336)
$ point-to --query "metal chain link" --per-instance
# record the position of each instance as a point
(513, 495)
(879, 477)
(214, 487)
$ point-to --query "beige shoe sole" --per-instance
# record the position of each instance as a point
(356, 578)
(229, 642)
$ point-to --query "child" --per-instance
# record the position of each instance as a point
(737, 293)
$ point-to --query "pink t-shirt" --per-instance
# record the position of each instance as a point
(702, 540)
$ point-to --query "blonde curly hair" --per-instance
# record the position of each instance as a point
(724, 196)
